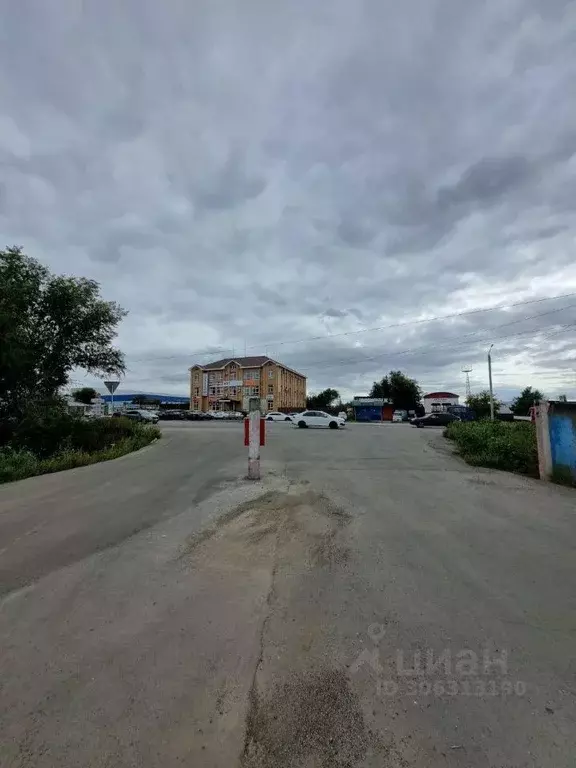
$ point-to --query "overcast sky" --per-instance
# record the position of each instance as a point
(251, 174)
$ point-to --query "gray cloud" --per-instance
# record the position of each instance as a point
(487, 181)
(256, 174)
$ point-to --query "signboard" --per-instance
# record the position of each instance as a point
(235, 383)
(251, 382)
(204, 385)
(111, 386)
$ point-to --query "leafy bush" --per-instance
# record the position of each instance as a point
(18, 464)
(49, 430)
(510, 446)
(49, 439)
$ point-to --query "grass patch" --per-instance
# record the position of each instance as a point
(510, 446)
(19, 463)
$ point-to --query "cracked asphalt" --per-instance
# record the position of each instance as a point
(372, 602)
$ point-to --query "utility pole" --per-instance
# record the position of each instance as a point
(467, 371)
(490, 383)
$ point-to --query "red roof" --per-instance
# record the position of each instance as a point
(244, 362)
(439, 395)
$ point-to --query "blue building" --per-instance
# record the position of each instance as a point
(372, 409)
(128, 397)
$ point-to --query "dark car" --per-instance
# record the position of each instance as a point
(462, 411)
(171, 415)
(434, 420)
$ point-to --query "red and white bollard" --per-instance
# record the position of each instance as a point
(254, 437)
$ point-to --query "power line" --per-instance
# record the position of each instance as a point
(428, 348)
(403, 324)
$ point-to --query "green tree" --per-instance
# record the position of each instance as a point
(323, 401)
(521, 404)
(381, 389)
(480, 404)
(403, 391)
(84, 395)
(50, 324)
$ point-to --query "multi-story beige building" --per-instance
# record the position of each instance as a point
(228, 385)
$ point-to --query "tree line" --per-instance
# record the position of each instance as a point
(520, 406)
(405, 393)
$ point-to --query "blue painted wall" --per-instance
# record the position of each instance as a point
(562, 423)
(368, 412)
(122, 397)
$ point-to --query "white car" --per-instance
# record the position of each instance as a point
(138, 414)
(277, 416)
(317, 419)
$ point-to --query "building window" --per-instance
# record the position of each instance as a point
(270, 373)
(212, 390)
(233, 391)
(254, 391)
(196, 391)
(270, 405)
(270, 389)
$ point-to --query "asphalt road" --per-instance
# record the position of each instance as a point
(373, 602)
(52, 521)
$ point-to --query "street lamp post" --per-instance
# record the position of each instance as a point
(490, 383)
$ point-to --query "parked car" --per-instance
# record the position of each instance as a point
(136, 414)
(277, 416)
(171, 415)
(434, 420)
(463, 412)
(399, 416)
(317, 419)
